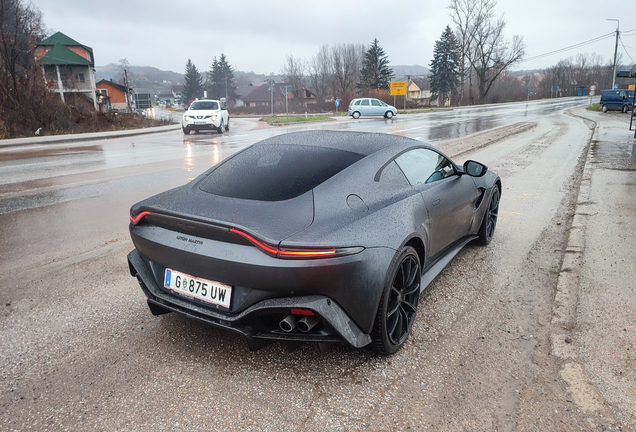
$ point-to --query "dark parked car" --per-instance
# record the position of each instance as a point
(312, 236)
(617, 100)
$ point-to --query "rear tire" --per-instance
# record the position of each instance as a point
(227, 126)
(604, 108)
(624, 109)
(398, 305)
(489, 223)
(356, 115)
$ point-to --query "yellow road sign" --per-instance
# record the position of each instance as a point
(397, 91)
(398, 84)
(632, 87)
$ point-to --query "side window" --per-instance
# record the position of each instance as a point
(392, 174)
(357, 102)
(365, 102)
(422, 166)
(375, 102)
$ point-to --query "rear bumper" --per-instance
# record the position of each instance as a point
(259, 322)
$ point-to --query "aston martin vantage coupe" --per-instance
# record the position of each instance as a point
(312, 236)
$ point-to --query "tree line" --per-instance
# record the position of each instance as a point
(337, 71)
(472, 64)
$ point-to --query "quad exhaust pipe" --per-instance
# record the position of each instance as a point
(288, 323)
(308, 322)
(304, 324)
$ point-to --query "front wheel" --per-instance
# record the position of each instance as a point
(398, 305)
(185, 130)
(356, 115)
(604, 108)
(389, 115)
(221, 128)
(488, 224)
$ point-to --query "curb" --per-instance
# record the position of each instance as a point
(53, 139)
(566, 298)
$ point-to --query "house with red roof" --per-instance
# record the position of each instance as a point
(67, 66)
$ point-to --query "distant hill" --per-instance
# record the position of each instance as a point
(412, 70)
(143, 76)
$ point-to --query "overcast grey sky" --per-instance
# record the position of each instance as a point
(257, 35)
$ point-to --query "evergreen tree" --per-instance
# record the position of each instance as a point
(376, 73)
(193, 87)
(214, 82)
(445, 68)
(220, 80)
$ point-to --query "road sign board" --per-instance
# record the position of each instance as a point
(592, 87)
(592, 92)
(397, 91)
(398, 84)
(632, 87)
(337, 102)
(615, 86)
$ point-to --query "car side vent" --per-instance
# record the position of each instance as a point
(480, 198)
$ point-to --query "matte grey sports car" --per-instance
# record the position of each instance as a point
(312, 236)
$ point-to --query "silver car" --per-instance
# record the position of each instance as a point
(371, 107)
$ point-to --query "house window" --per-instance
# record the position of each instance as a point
(102, 92)
(80, 78)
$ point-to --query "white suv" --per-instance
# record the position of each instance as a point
(205, 114)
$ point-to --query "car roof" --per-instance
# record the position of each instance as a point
(364, 143)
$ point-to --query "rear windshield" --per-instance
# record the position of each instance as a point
(202, 105)
(276, 172)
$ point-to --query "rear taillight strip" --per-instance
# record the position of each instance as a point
(286, 253)
(136, 219)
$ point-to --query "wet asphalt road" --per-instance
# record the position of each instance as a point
(80, 350)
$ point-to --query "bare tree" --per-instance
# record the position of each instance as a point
(319, 73)
(492, 54)
(482, 42)
(293, 73)
(347, 63)
(25, 102)
(468, 16)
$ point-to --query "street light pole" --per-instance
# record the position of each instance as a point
(615, 50)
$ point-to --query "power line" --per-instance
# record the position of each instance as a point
(624, 48)
(597, 39)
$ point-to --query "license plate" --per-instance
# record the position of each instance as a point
(202, 289)
(199, 123)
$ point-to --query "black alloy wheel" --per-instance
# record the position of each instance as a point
(398, 305)
(489, 223)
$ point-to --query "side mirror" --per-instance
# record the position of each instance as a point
(475, 169)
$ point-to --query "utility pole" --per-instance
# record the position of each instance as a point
(615, 50)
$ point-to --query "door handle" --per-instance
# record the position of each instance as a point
(436, 202)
